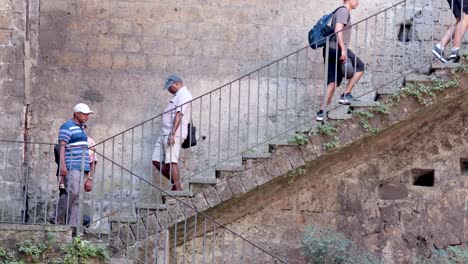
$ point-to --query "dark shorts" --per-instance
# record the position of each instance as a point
(457, 7)
(335, 73)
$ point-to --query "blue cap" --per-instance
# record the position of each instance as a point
(171, 80)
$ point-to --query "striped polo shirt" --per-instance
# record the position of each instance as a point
(74, 135)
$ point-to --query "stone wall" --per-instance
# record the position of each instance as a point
(12, 35)
(115, 55)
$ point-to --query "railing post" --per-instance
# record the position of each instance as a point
(325, 85)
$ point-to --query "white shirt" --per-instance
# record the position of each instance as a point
(177, 104)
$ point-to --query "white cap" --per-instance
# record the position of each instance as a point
(82, 108)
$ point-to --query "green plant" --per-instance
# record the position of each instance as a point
(422, 91)
(29, 248)
(80, 250)
(327, 129)
(381, 108)
(335, 143)
(451, 255)
(368, 127)
(363, 114)
(298, 140)
(324, 246)
(6, 256)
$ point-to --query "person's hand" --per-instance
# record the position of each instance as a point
(171, 140)
(343, 57)
(88, 186)
(63, 171)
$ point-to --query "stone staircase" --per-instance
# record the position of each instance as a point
(280, 156)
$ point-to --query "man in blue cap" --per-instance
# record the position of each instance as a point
(175, 120)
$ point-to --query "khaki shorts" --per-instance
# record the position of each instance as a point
(165, 153)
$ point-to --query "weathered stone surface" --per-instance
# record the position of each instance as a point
(223, 190)
(235, 184)
(212, 196)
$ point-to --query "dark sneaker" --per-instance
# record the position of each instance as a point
(454, 56)
(346, 99)
(439, 54)
(319, 116)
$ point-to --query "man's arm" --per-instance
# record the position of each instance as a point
(339, 37)
(63, 166)
(176, 124)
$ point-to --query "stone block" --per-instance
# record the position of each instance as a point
(108, 43)
(14, 88)
(248, 181)
(188, 47)
(258, 173)
(131, 44)
(393, 192)
(200, 202)
(223, 190)
(156, 62)
(10, 54)
(139, 230)
(119, 62)
(294, 155)
(174, 210)
(136, 61)
(71, 59)
(14, 105)
(236, 185)
(100, 61)
(211, 196)
(147, 28)
(151, 224)
(16, 71)
(159, 46)
(120, 26)
(6, 22)
(76, 42)
(5, 36)
(277, 165)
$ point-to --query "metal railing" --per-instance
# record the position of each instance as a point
(30, 185)
(256, 109)
(146, 227)
(151, 226)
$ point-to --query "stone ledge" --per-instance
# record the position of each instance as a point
(24, 227)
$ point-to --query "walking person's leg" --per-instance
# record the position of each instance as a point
(359, 68)
(72, 183)
(334, 78)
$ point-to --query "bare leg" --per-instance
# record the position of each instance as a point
(460, 31)
(449, 34)
(175, 177)
(171, 172)
(330, 92)
(353, 81)
(164, 169)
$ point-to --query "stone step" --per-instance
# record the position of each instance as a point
(208, 174)
(256, 155)
(182, 193)
(417, 78)
(388, 90)
(121, 261)
(363, 104)
(229, 167)
(340, 113)
(444, 66)
(123, 219)
(203, 180)
(150, 206)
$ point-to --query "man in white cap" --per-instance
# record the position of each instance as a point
(73, 147)
(174, 130)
